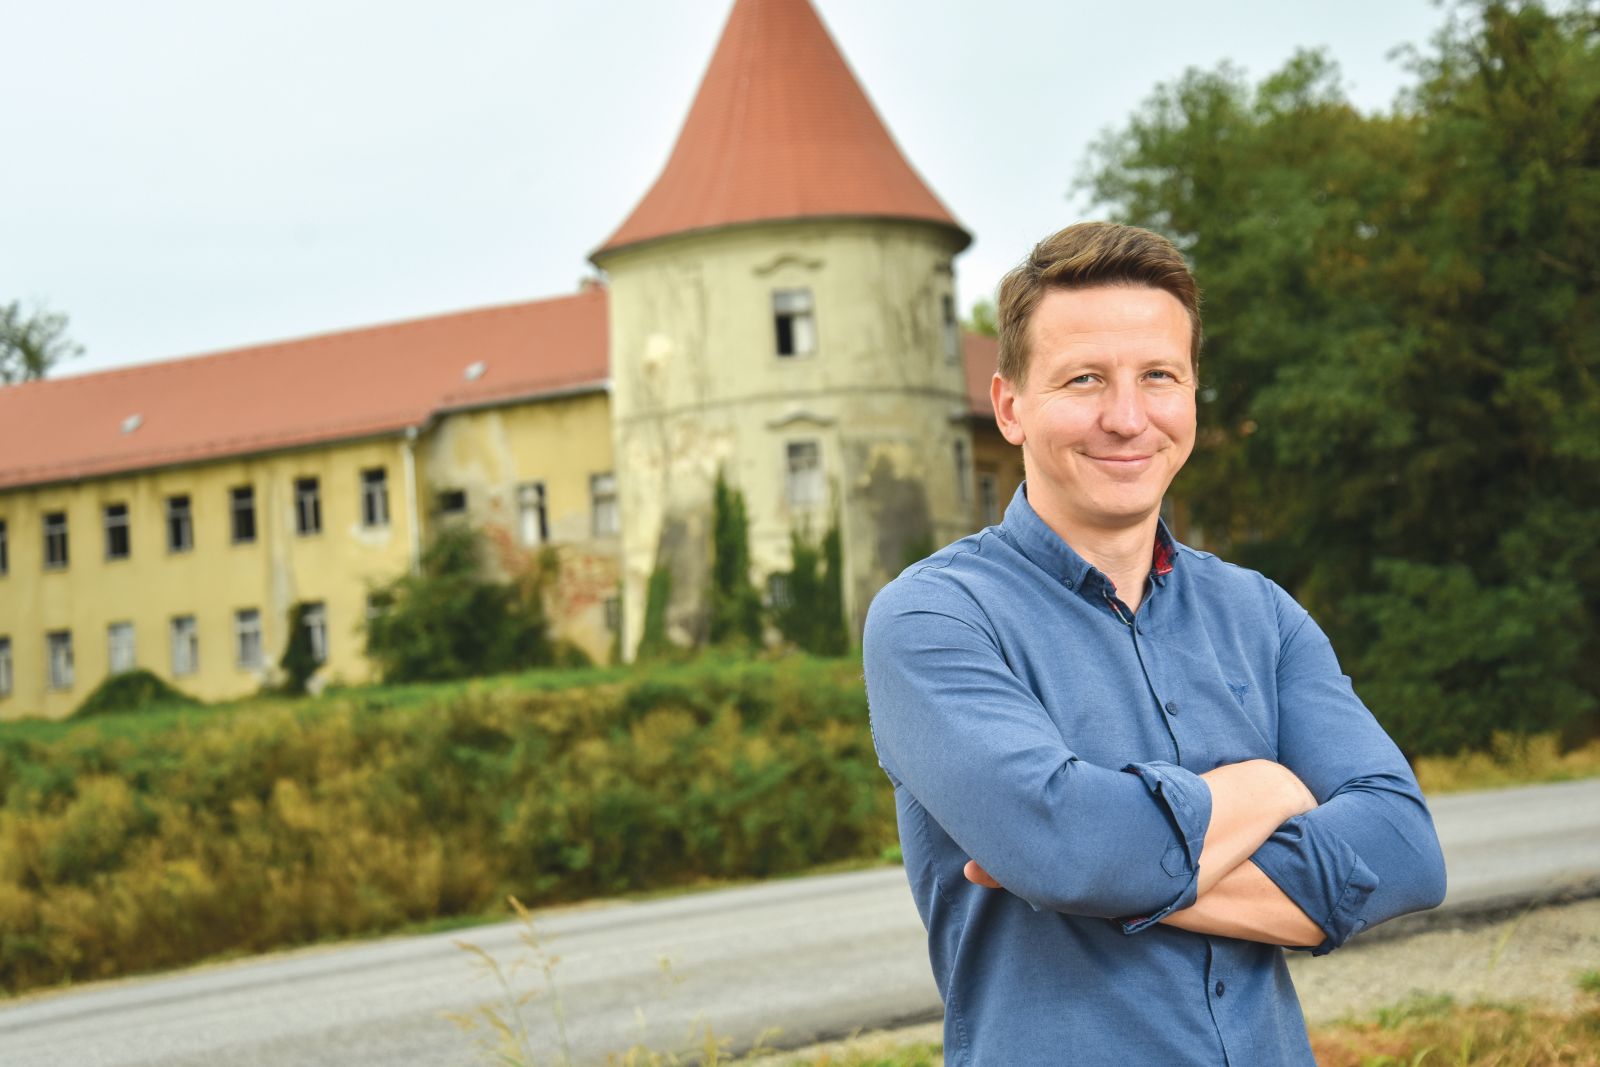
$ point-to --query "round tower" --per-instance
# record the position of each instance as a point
(782, 308)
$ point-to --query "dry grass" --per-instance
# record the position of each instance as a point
(1510, 761)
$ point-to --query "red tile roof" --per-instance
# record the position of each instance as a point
(981, 354)
(332, 387)
(780, 129)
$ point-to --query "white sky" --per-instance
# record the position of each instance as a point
(181, 176)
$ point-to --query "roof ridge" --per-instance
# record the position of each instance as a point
(238, 351)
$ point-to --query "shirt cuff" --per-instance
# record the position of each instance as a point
(1322, 874)
(1187, 802)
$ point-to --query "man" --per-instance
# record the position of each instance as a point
(1125, 771)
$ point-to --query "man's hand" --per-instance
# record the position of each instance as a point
(982, 877)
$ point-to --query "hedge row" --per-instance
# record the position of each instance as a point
(122, 850)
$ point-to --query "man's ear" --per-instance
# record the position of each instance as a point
(1003, 395)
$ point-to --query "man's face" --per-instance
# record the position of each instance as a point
(1107, 416)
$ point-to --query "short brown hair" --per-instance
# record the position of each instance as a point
(1089, 255)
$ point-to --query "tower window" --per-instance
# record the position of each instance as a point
(180, 524)
(55, 539)
(375, 497)
(117, 545)
(242, 504)
(805, 473)
(307, 506)
(5, 549)
(452, 501)
(5, 666)
(952, 329)
(795, 322)
(963, 473)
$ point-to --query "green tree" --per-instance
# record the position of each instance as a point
(813, 618)
(653, 641)
(452, 621)
(735, 604)
(1401, 382)
(982, 319)
(30, 345)
(299, 660)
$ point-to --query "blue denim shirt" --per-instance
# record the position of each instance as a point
(1011, 696)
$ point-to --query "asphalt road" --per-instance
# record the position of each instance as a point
(817, 957)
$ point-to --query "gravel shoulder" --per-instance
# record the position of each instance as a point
(1533, 959)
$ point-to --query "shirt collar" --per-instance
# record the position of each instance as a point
(1036, 540)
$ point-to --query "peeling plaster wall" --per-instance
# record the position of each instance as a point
(562, 442)
(698, 385)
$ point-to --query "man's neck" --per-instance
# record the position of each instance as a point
(1121, 553)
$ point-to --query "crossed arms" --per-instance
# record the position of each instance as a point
(1334, 827)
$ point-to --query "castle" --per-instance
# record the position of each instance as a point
(780, 307)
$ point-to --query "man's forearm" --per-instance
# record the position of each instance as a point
(1246, 904)
(1249, 801)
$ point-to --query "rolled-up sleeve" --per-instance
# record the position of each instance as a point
(955, 727)
(1368, 852)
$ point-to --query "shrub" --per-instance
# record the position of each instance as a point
(130, 691)
(451, 621)
(283, 822)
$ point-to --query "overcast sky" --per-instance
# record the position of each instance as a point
(183, 176)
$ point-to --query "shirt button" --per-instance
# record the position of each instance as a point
(1067, 582)
(1172, 707)
(1221, 989)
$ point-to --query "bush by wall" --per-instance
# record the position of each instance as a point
(285, 822)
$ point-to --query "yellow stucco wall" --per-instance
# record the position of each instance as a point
(698, 385)
(562, 442)
(210, 581)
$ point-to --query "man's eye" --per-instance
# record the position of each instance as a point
(1082, 379)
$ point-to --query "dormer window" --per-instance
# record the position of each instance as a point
(794, 322)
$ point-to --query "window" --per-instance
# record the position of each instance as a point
(180, 524)
(119, 647)
(242, 509)
(5, 666)
(952, 329)
(58, 644)
(805, 474)
(375, 497)
(5, 549)
(307, 506)
(613, 608)
(55, 539)
(315, 620)
(185, 645)
(963, 473)
(247, 638)
(532, 524)
(452, 501)
(988, 498)
(117, 545)
(603, 500)
(794, 321)
(778, 592)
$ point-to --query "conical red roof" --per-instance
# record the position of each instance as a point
(780, 129)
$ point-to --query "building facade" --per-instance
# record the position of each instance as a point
(779, 308)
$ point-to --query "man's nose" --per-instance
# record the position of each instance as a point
(1123, 412)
